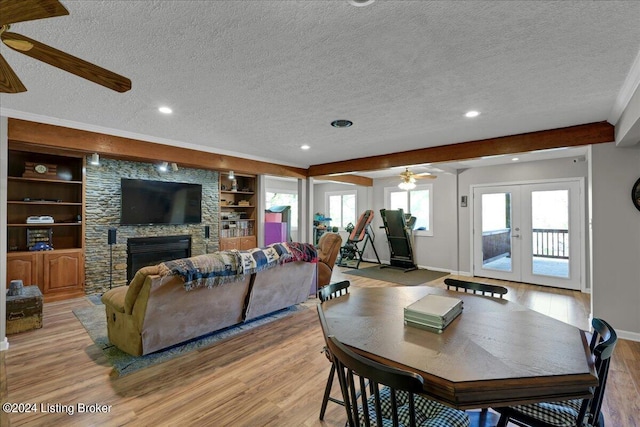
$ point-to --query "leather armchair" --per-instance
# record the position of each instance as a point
(328, 249)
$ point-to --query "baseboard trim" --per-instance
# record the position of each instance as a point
(626, 335)
(4, 344)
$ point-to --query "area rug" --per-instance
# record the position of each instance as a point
(394, 275)
(94, 321)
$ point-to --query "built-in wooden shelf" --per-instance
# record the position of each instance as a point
(53, 181)
(50, 224)
(21, 202)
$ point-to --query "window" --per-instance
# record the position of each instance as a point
(284, 198)
(341, 208)
(418, 202)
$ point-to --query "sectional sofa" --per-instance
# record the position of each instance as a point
(173, 302)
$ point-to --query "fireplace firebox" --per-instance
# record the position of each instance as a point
(144, 251)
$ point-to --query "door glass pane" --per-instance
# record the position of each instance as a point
(496, 231)
(550, 232)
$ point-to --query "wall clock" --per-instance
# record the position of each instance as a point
(635, 194)
(40, 170)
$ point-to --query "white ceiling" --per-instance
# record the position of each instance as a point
(259, 79)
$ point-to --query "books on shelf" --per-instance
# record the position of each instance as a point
(240, 228)
(433, 312)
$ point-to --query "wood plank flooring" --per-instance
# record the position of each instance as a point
(272, 376)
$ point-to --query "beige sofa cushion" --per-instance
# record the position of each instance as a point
(115, 298)
(136, 285)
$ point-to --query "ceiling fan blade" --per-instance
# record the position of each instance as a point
(66, 62)
(423, 175)
(12, 11)
(9, 81)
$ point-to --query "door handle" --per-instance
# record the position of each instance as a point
(515, 235)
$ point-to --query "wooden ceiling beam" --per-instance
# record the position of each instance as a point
(52, 137)
(592, 133)
(115, 147)
(349, 179)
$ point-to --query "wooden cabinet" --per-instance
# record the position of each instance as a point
(23, 266)
(237, 212)
(239, 243)
(41, 184)
(63, 271)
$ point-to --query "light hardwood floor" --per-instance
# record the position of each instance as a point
(271, 376)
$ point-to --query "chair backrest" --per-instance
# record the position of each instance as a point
(360, 379)
(329, 248)
(602, 344)
(358, 232)
(483, 288)
(333, 290)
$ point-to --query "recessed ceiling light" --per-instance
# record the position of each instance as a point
(360, 3)
(305, 147)
(165, 110)
(515, 159)
(341, 123)
(472, 114)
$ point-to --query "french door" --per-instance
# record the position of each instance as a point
(530, 233)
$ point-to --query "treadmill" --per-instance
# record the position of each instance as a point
(400, 239)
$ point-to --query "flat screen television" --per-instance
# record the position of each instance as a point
(147, 202)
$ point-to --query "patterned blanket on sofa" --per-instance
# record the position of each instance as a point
(228, 266)
(205, 270)
(295, 251)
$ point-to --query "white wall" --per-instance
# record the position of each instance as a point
(615, 231)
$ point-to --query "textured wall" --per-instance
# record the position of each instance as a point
(103, 212)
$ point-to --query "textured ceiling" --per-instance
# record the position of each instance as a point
(259, 79)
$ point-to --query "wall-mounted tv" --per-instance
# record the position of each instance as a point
(147, 202)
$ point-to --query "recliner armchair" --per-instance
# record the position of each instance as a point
(328, 249)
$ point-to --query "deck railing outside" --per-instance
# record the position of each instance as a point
(551, 243)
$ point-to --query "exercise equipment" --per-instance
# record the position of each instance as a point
(350, 253)
(399, 229)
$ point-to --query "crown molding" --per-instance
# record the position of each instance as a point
(627, 90)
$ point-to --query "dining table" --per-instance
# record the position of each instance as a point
(495, 353)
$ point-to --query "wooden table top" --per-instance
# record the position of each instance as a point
(495, 353)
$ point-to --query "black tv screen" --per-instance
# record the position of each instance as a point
(158, 202)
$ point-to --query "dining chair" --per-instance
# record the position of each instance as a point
(482, 288)
(378, 395)
(333, 290)
(576, 412)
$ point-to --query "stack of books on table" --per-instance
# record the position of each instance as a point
(433, 312)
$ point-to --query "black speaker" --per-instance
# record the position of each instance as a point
(207, 232)
(112, 236)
